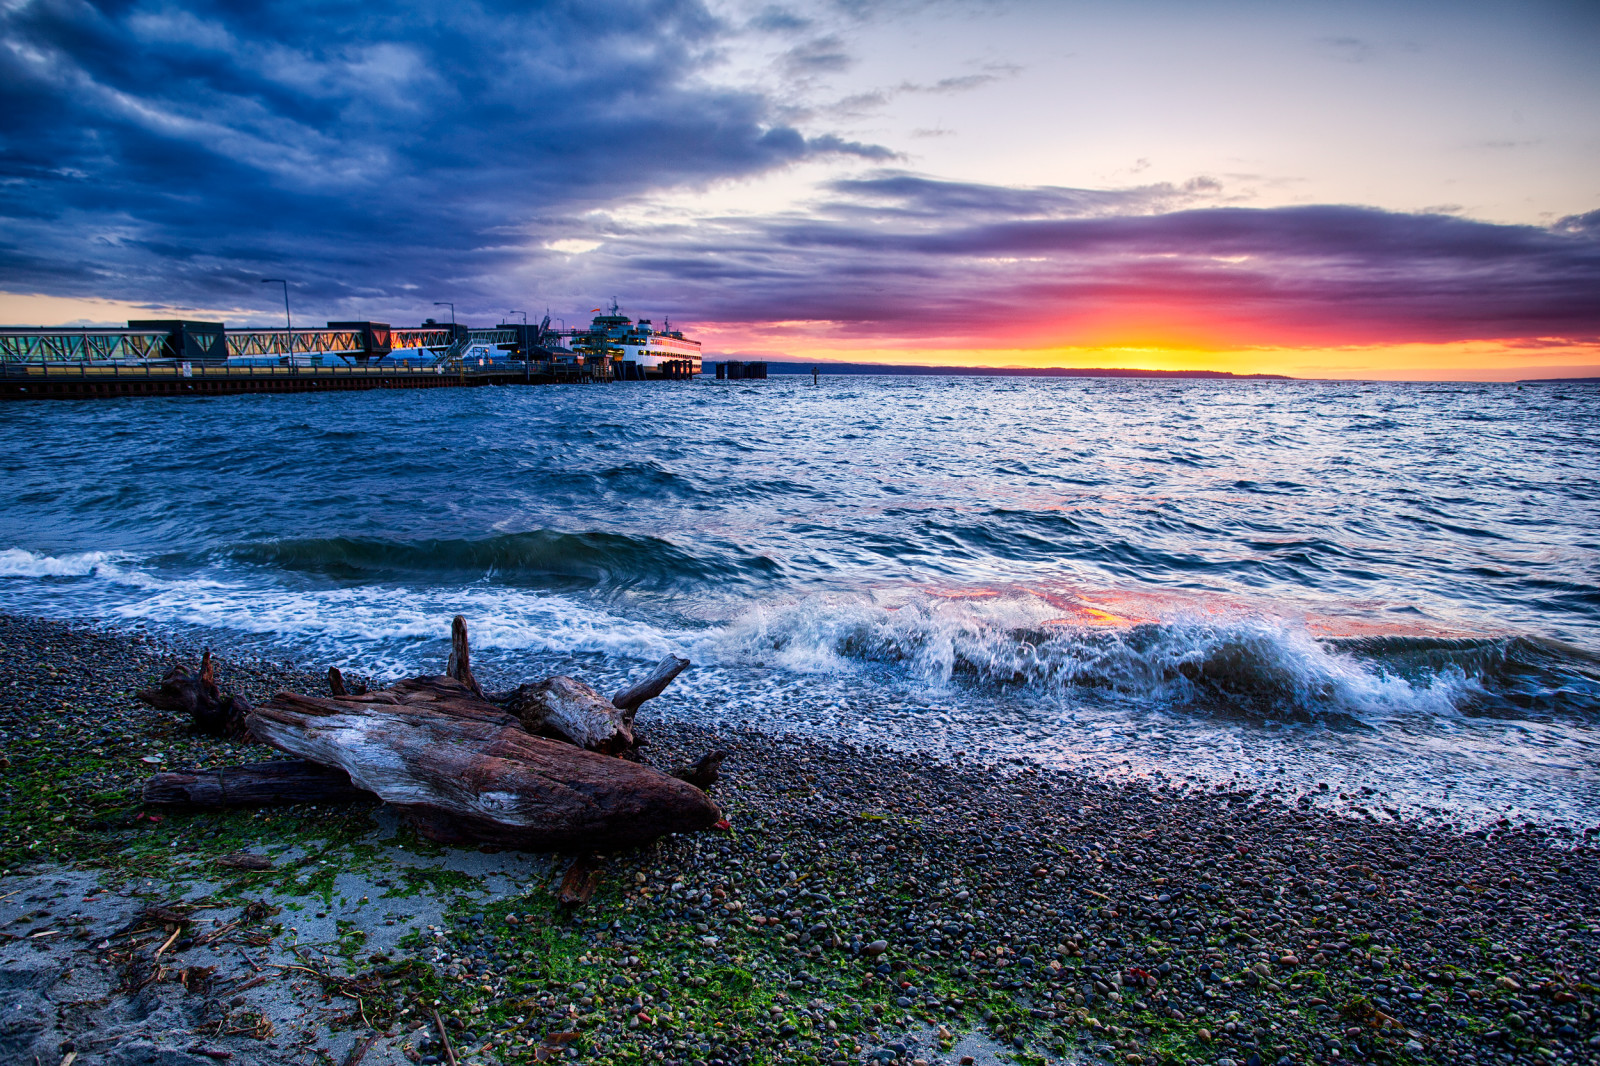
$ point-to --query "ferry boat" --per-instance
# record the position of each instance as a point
(637, 349)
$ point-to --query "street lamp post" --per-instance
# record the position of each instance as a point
(288, 323)
(527, 374)
(452, 307)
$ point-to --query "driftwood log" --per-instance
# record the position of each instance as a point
(261, 784)
(532, 768)
(465, 771)
(580, 880)
(566, 709)
(197, 694)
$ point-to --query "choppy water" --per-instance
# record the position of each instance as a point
(1390, 588)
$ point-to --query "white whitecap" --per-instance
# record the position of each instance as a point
(1014, 640)
(19, 562)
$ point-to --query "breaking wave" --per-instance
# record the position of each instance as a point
(400, 630)
(380, 603)
(388, 628)
(19, 562)
(1248, 666)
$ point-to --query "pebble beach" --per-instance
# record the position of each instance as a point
(863, 907)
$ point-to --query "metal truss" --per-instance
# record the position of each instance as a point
(419, 338)
(301, 342)
(81, 346)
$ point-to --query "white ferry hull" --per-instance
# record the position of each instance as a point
(640, 350)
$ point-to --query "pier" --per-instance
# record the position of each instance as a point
(184, 358)
(22, 381)
(213, 342)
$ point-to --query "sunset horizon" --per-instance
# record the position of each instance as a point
(985, 184)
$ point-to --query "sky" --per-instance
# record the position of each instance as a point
(1327, 189)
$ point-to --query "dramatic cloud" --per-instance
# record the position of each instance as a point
(900, 256)
(179, 153)
(502, 156)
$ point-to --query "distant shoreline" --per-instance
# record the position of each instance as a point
(1010, 371)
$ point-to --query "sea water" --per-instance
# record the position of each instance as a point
(1385, 597)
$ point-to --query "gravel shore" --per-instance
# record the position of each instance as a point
(864, 906)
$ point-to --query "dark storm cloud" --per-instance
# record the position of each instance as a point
(905, 256)
(178, 153)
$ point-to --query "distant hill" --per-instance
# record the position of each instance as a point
(1009, 371)
(1550, 381)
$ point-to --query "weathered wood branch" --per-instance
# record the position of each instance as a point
(462, 768)
(628, 700)
(197, 694)
(262, 784)
(460, 663)
(338, 686)
(704, 773)
(468, 772)
(564, 709)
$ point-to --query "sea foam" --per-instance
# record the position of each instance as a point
(19, 562)
(1243, 664)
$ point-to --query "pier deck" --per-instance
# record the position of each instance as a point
(65, 381)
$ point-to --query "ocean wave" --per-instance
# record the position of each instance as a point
(1511, 677)
(19, 562)
(540, 557)
(387, 629)
(396, 630)
(1223, 663)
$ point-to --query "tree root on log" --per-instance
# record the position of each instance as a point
(459, 665)
(630, 699)
(565, 709)
(197, 695)
(337, 686)
(581, 879)
(704, 773)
